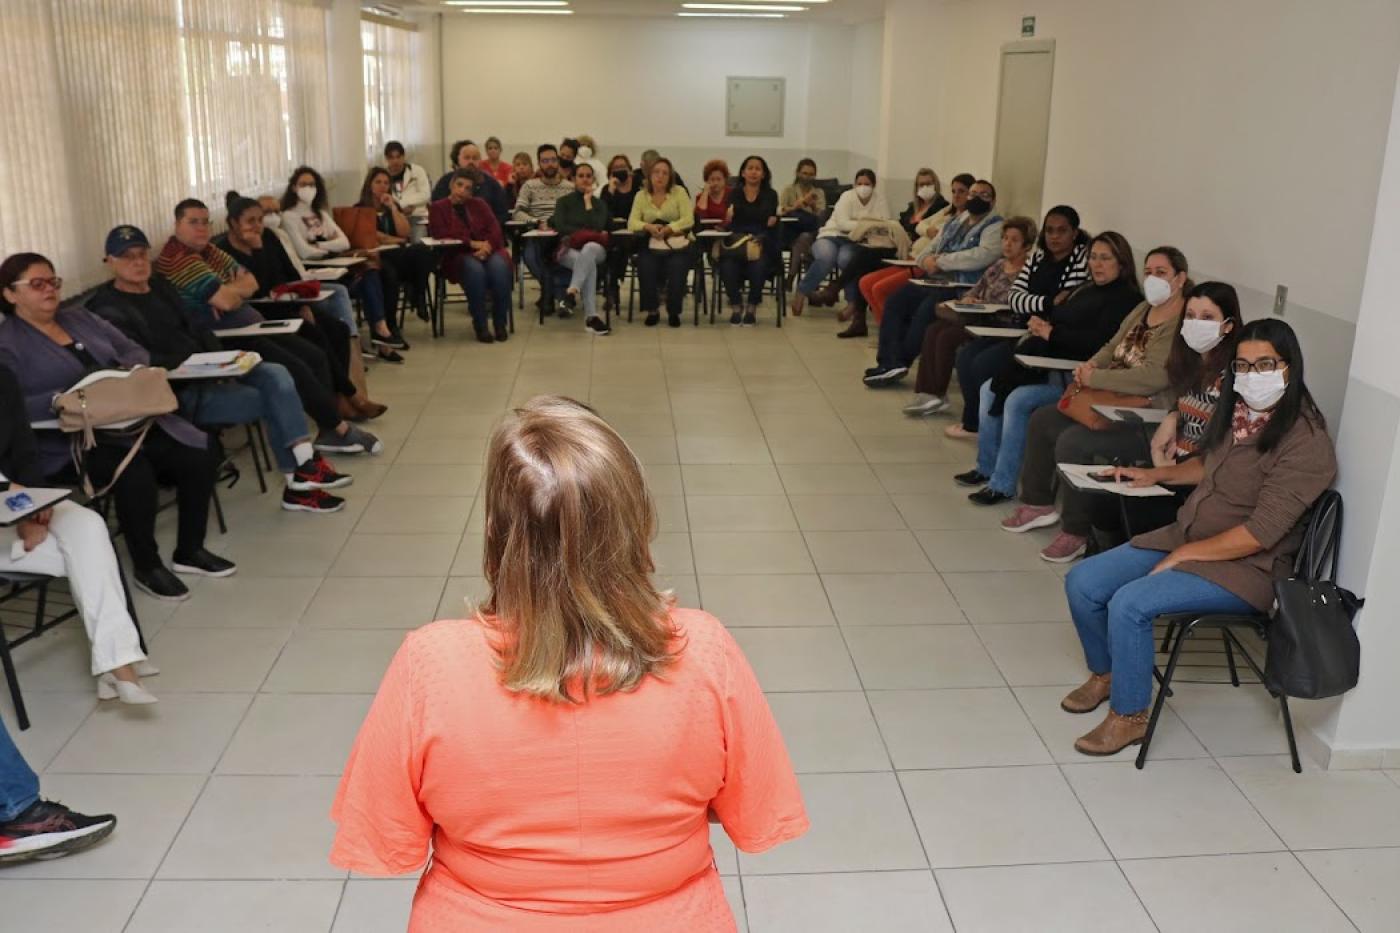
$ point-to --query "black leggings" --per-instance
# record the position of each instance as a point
(406, 267)
(655, 264)
(977, 362)
(190, 469)
(867, 260)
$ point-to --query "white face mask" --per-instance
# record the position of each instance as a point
(272, 220)
(306, 193)
(584, 153)
(864, 191)
(1260, 391)
(1202, 336)
(927, 192)
(1157, 290)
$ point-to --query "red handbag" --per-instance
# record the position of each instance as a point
(581, 238)
(307, 289)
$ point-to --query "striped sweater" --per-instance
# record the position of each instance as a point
(1042, 278)
(197, 276)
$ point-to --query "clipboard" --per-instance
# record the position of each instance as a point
(1004, 332)
(1132, 415)
(266, 329)
(1048, 362)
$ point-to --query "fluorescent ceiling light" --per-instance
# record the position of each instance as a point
(736, 15)
(499, 3)
(751, 7)
(517, 10)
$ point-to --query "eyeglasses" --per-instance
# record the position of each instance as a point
(1265, 364)
(42, 284)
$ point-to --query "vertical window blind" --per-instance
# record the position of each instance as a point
(114, 111)
(393, 93)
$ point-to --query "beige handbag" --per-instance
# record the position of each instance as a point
(115, 400)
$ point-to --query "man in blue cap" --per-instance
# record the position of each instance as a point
(148, 310)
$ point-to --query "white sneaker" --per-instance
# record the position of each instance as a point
(925, 404)
(110, 688)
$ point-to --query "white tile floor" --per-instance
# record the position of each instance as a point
(914, 654)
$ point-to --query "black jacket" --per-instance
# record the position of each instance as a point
(1090, 316)
(158, 324)
(271, 265)
(18, 453)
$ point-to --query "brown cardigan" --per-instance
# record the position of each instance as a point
(1267, 493)
(1149, 377)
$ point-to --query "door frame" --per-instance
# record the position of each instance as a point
(1024, 47)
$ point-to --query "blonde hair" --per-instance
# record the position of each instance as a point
(568, 526)
(585, 140)
(937, 182)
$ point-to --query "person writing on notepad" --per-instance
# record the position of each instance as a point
(1266, 457)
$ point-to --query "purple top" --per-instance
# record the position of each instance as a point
(45, 369)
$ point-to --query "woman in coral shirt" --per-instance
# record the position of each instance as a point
(561, 754)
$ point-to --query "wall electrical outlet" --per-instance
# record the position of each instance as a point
(1280, 300)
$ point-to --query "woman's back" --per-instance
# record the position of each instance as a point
(540, 812)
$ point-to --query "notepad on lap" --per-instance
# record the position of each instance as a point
(1047, 362)
(1082, 476)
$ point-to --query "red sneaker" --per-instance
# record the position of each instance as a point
(317, 473)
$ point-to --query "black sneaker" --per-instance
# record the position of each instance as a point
(873, 370)
(317, 473)
(887, 375)
(393, 341)
(598, 327)
(736, 317)
(970, 478)
(201, 563)
(502, 333)
(988, 496)
(568, 303)
(160, 583)
(310, 500)
(750, 319)
(653, 318)
(565, 310)
(388, 356)
(673, 320)
(48, 830)
(484, 336)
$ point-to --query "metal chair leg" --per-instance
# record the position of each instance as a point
(1288, 730)
(219, 511)
(1161, 696)
(256, 453)
(1230, 658)
(12, 679)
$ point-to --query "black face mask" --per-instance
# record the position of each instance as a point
(621, 174)
(977, 207)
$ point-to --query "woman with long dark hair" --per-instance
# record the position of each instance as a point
(410, 261)
(752, 250)
(1267, 457)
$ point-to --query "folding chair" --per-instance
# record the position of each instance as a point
(1317, 560)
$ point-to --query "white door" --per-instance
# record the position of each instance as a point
(1023, 126)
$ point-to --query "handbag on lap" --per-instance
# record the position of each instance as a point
(1078, 403)
(128, 401)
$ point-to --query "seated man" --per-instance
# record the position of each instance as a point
(213, 288)
(147, 309)
(535, 204)
(466, 155)
(963, 250)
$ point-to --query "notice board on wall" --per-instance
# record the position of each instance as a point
(754, 106)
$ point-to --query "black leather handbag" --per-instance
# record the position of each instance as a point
(1313, 651)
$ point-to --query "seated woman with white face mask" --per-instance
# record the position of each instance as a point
(834, 248)
(1266, 459)
(1132, 363)
(1204, 347)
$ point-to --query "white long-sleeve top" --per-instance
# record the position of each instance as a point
(314, 234)
(416, 188)
(849, 211)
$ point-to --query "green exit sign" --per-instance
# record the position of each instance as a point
(1027, 27)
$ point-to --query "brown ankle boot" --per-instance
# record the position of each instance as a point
(1087, 697)
(347, 410)
(368, 408)
(1114, 734)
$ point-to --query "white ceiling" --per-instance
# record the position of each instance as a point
(834, 11)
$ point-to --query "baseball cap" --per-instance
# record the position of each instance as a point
(124, 238)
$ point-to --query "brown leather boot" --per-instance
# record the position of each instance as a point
(1113, 735)
(367, 408)
(1088, 696)
(347, 409)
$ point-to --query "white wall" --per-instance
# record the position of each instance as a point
(644, 83)
(864, 54)
(1215, 126)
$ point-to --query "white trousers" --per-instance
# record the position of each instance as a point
(77, 547)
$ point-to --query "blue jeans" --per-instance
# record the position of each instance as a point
(584, 265)
(478, 278)
(370, 290)
(19, 785)
(338, 306)
(1001, 441)
(829, 252)
(1113, 600)
(266, 393)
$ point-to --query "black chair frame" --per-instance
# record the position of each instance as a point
(1317, 560)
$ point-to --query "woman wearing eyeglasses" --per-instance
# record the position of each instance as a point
(49, 349)
(1267, 457)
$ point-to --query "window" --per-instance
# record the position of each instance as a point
(111, 112)
(393, 93)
